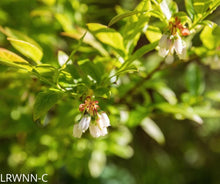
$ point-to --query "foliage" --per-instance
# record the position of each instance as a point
(53, 56)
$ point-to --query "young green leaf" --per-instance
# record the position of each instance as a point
(45, 101)
(189, 8)
(27, 49)
(139, 53)
(108, 36)
(11, 59)
(122, 16)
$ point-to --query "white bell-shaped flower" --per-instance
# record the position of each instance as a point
(77, 132)
(84, 123)
(95, 131)
(103, 120)
(178, 45)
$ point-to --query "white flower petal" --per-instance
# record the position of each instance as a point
(183, 55)
(104, 131)
(178, 45)
(84, 123)
(94, 130)
(76, 131)
(105, 119)
(163, 52)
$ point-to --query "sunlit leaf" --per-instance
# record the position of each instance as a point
(27, 49)
(65, 21)
(11, 59)
(19, 36)
(139, 53)
(88, 39)
(62, 58)
(214, 95)
(180, 111)
(151, 128)
(153, 33)
(209, 38)
(189, 8)
(108, 36)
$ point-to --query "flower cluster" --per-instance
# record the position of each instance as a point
(96, 122)
(172, 41)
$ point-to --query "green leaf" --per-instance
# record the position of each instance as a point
(194, 80)
(139, 53)
(46, 73)
(201, 6)
(11, 59)
(44, 101)
(65, 21)
(165, 91)
(27, 49)
(153, 33)
(207, 112)
(189, 8)
(88, 39)
(214, 95)
(180, 111)
(108, 36)
(210, 36)
(214, 4)
(91, 70)
(122, 16)
(18, 35)
(151, 128)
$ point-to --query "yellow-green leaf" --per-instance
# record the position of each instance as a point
(27, 49)
(108, 36)
(18, 35)
(11, 59)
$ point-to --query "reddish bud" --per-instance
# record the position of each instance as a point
(81, 107)
(185, 32)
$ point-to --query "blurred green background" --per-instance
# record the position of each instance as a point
(190, 154)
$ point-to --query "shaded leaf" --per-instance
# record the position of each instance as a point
(44, 101)
(194, 80)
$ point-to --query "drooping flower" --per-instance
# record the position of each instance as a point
(97, 126)
(84, 123)
(169, 44)
(171, 41)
